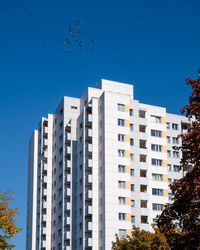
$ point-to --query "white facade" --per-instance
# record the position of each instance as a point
(101, 164)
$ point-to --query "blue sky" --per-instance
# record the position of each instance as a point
(153, 45)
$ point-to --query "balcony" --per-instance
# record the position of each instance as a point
(67, 192)
(44, 218)
(67, 221)
(45, 130)
(44, 205)
(68, 127)
(88, 242)
(68, 137)
(88, 134)
(68, 179)
(88, 164)
(45, 142)
(67, 207)
(67, 164)
(45, 154)
(44, 180)
(88, 226)
(88, 149)
(88, 195)
(88, 210)
(44, 168)
(67, 150)
(44, 192)
(43, 231)
(67, 235)
(88, 120)
(43, 244)
(88, 179)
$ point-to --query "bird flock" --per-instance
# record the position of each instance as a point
(73, 38)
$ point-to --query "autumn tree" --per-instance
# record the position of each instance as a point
(180, 221)
(8, 226)
(141, 239)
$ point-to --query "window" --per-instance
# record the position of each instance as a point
(122, 216)
(142, 128)
(120, 107)
(121, 184)
(175, 140)
(156, 162)
(60, 204)
(132, 172)
(156, 147)
(156, 191)
(176, 168)
(121, 122)
(169, 180)
(60, 177)
(60, 138)
(174, 126)
(157, 207)
(133, 218)
(131, 127)
(156, 119)
(168, 139)
(143, 173)
(175, 154)
(122, 200)
(121, 137)
(122, 232)
(132, 156)
(132, 203)
(121, 153)
(175, 180)
(169, 153)
(157, 177)
(144, 219)
(154, 221)
(143, 188)
(142, 113)
(121, 168)
(131, 112)
(170, 196)
(59, 232)
(132, 142)
(143, 204)
(132, 187)
(169, 167)
(156, 133)
(168, 125)
(73, 107)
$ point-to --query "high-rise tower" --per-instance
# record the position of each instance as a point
(97, 166)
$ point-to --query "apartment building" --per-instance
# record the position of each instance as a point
(97, 166)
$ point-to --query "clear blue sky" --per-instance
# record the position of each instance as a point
(151, 44)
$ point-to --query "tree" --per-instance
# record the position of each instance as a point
(7, 222)
(141, 239)
(180, 221)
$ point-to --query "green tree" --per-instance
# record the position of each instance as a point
(141, 239)
(7, 222)
(180, 221)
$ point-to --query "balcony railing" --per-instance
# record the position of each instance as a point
(88, 210)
